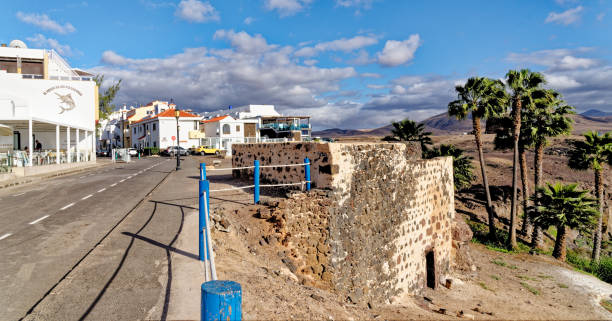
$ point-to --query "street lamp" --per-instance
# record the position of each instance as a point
(177, 114)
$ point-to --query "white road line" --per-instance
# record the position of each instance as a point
(5, 236)
(86, 197)
(102, 190)
(38, 220)
(113, 185)
(129, 177)
(121, 181)
(67, 206)
(83, 176)
(19, 194)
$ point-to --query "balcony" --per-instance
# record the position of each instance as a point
(285, 126)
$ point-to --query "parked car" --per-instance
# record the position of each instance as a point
(172, 150)
(133, 151)
(204, 150)
(102, 153)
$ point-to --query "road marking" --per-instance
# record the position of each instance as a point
(113, 185)
(67, 206)
(129, 177)
(121, 181)
(38, 220)
(19, 194)
(102, 190)
(86, 197)
(5, 236)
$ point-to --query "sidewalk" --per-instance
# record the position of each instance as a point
(10, 182)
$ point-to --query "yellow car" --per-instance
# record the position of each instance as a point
(204, 150)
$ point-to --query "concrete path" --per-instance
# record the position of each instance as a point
(48, 227)
(129, 275)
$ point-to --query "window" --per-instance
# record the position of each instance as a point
(237, 128)
(195, 125)
(226, 129)
(154, 127)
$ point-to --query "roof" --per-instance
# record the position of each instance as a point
(212, 120)
(169, 113)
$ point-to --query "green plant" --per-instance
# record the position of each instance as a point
(530, 288)
(462, 164)
(566, 207)
(526, 278)
(607, 304)
(562, 285)
(151, 150)
(495, 277)
(593, 153)
(410, 131)
(484, 286)
(483, 98)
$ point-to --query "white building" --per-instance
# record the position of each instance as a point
(43, 99)
(160, 130)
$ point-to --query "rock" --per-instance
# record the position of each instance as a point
(290, 264)
(461, 231)
(264, 213)
(225, 223)
(468, 316)
(449, 283)
(317, 297)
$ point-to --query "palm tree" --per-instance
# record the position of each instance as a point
(504, 140)
(547, 118)
(521, 83)
(410, 131)
(483, 98)
(462, 164)
(594, 152)
(565, 207)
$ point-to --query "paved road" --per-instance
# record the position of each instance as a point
(47, 228)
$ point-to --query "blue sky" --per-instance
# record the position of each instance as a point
(348, 63)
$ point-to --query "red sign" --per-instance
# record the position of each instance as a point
(173, 138)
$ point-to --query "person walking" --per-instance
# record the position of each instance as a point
(38, 147)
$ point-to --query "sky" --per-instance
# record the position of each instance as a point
(347, 63)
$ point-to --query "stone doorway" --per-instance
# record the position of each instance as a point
(431, 269)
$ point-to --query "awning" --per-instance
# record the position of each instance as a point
(6, 130)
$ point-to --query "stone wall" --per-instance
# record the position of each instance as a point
(368, 236)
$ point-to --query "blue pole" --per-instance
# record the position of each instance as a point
(221, 300)
(202, 189)
(256, 182)
(307, 173)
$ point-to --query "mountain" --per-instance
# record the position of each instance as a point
(596, 113)
(442, 124)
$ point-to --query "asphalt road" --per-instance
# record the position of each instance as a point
(47, 228)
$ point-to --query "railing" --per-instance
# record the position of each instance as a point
(285, 127)
(32, 76)
(20, 158)
(61, 63)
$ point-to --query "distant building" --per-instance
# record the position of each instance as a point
(270, 123)
(43, 99)
(159, 130)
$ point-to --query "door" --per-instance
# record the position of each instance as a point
(17, 140)
(249, 130)
(431, 269)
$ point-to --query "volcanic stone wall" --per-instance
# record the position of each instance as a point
(384, 211)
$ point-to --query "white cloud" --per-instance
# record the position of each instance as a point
(566, 17)
(370, 75)
(244, 42)
(556, 59)
(362, 58)
(310, 62)
(248, 20)
(250, 72)
(344, 44)
(355, 3)
(415, 92)
(287, 8)
(396, 53)
(43, 21)
(600, 17)
(196, 11)
(44, 42)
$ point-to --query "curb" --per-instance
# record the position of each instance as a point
(27, 180)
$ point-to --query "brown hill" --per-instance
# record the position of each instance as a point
(442, 124)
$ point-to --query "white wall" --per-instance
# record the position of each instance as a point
(21, 99)
(167, 129)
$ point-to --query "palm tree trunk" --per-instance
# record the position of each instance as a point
(526, 220)
(485, 181)
(536, 237)
(560, 249)
(516, 135)
(600, 201)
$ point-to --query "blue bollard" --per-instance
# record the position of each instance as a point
(307, 173)
(256, 182)
(201, 213)
(221, 300)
